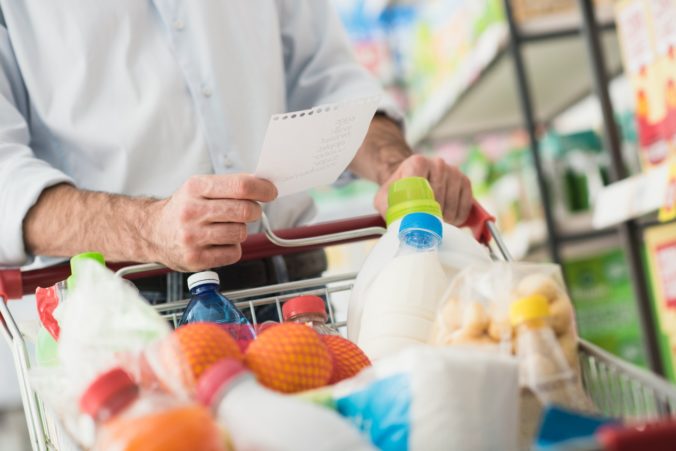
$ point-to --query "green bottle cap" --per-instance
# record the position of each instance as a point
(75, 263)
(410, 195)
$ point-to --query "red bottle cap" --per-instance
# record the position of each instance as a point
(303, 305)
(111, 392)
(216, 378)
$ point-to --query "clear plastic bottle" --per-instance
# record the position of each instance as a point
(128, 419)
(309, 310)
(543, 367)
(263, 419)
(208, 305)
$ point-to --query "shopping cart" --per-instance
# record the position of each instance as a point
(617, 388)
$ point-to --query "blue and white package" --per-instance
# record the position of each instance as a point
(429, 398)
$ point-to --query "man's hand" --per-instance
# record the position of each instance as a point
(203, 223)
(452, 188)
(200, 226)
(385, 157)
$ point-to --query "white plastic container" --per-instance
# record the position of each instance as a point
(261, 419)
(458, 247)
(401, 303)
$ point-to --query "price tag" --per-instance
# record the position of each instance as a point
(632, 197)
(668, 210)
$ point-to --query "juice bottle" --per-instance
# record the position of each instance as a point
(309, 310)
(127, 419)
(543, 367)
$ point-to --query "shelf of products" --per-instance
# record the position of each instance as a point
(557, 70)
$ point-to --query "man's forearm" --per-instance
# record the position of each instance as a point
(383, 150)
(66, 221)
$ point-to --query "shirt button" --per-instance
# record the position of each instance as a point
(178, 25)
(227, 162)
(206, 91)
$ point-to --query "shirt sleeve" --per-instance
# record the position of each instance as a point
(23, 176)
(319, 63)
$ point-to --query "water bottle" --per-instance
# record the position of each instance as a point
(208, 305)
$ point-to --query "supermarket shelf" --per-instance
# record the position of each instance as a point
(587, 235)
(556, 66)
(649, 222)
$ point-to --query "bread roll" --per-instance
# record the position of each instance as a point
(561, 315)
(460, 338)
(568, 343)
(500, 329)
(474, 319)
(538, 284)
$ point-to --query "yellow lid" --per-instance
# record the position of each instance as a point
(531, 307)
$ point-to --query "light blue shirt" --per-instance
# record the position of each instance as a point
(135, 96)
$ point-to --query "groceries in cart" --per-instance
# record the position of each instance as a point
(486, 305)
(456, 250)
(48, 300)
(310, 310)
(126, 417)
(262, 419)
(400, 304)
(207, 304)
(426, 398)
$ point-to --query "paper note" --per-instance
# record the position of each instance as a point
(310, 148)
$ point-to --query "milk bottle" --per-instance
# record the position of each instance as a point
(457, 250)
(401, 303)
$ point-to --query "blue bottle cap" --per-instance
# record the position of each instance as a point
(421, 221)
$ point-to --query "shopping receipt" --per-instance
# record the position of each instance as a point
(310, 148)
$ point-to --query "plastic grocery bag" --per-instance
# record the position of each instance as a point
(104, 323)
(475, 311)
(458, 250)
(428, 398)
(475, 308)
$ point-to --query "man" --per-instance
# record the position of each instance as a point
(129, 127)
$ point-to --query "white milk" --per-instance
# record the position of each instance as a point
(401, 304)
(458, 249)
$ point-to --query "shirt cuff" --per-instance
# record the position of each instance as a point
(389, 108)
(21, 183)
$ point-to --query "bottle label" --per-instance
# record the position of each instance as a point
(242, 333)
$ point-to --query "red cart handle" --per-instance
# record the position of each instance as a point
(477, 222)
(17, 283)
(659, 436)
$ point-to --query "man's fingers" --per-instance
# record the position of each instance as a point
(208, 211)
(235, 186)
(439, 181)
(202, 258)
(466, 200)
(218, 234)
(452, 199)
(413, 166)
(380, 201)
